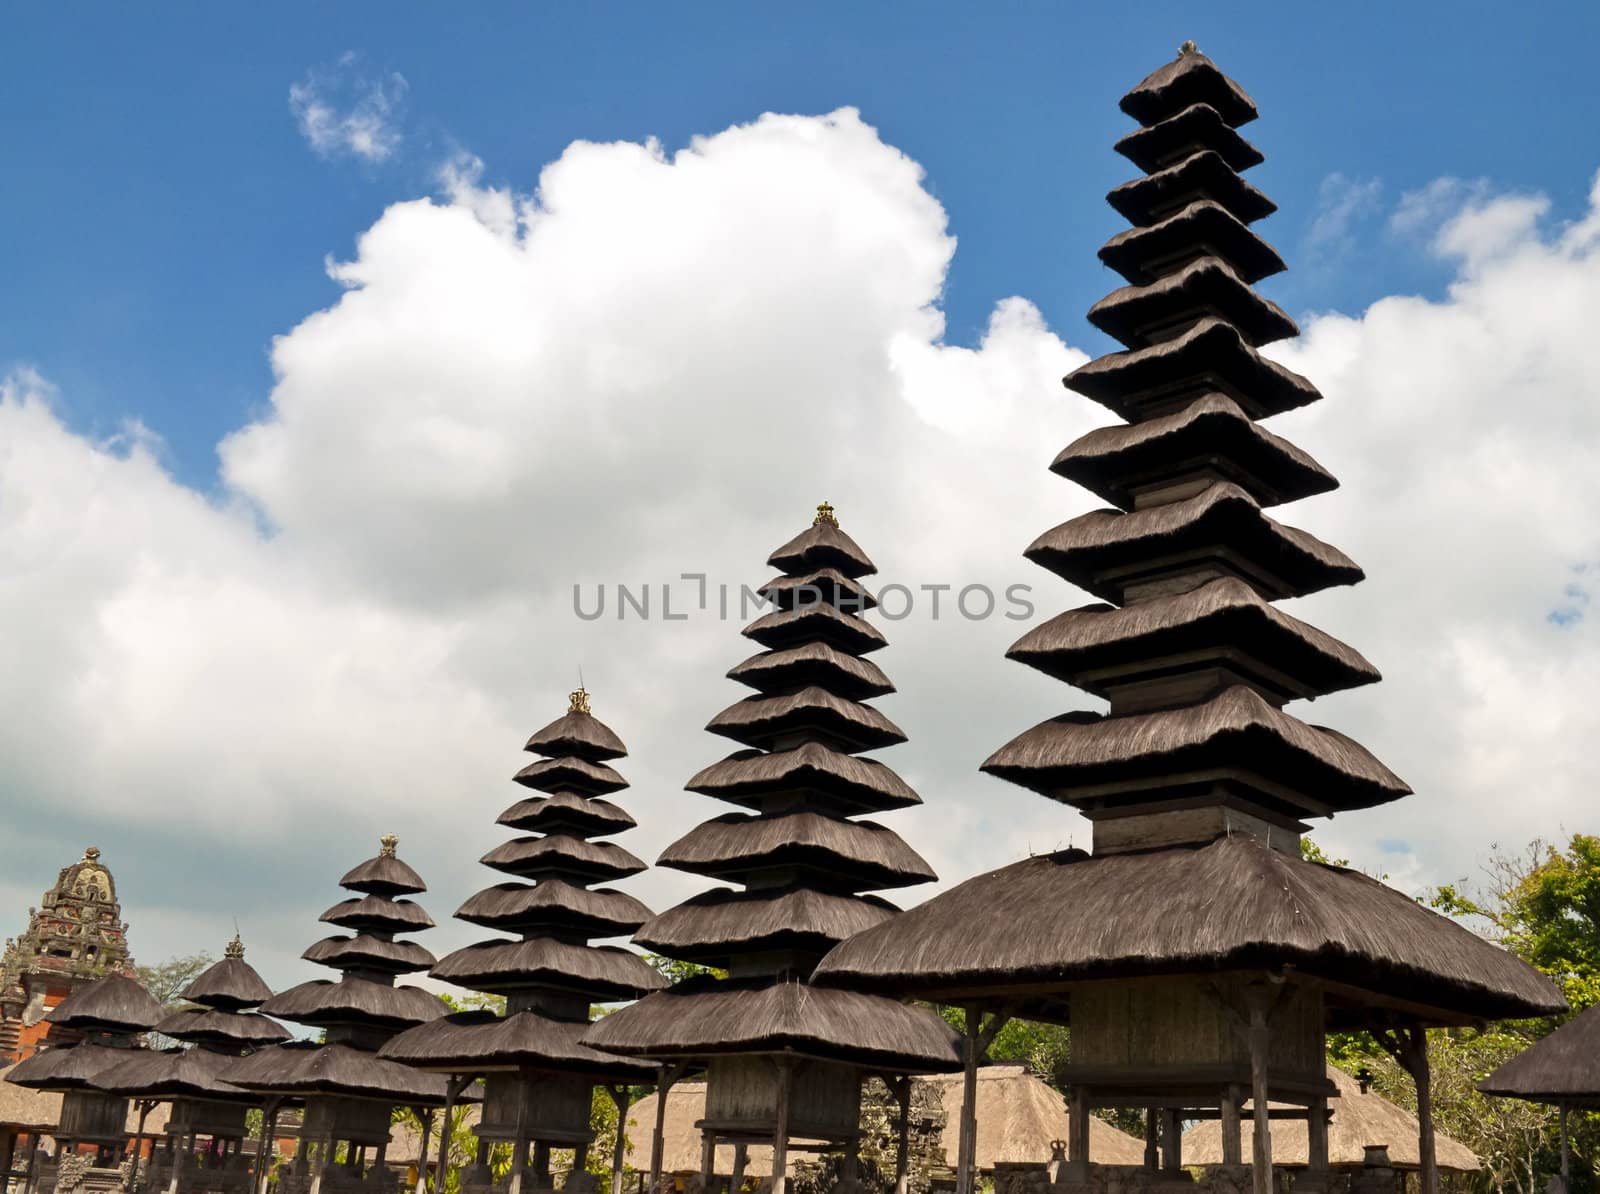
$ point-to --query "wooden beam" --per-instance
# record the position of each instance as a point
(1078, 1134)
(1566, 1152)
(1317, 1141)
(621, 1096)
(741, 1153)
(780, 1135)
(425, 1118)
(665, 1077)
(1232, 1130)
(902, 1144)
(1171, 1141)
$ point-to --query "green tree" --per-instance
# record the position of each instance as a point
(165, 980)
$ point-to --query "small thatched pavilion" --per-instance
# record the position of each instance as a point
(347, 1091)
(784, 1060)
(1358, 1120)
(1198, 959)
(1562, 1069)
(539, 1078)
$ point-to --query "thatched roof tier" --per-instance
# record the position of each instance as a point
(601, 972)
(579, 734)
(26, 1109)
(567, 812)
(1209, 438)
(1206, 287)
(824, 584)
(378, 914)
(231, 984)
(355, 1001)
(1563, 1067)
(715, 926)
(1210, 357)
(1191, 78)
(384, 875)
(1150, 198)
(1019, 1119)
(482, 1042)
(222, 1029)
(1203, 227)
(557, 905)
(1197, 127)
(814, 663)
(816, 622)
(1358, 1120)
(857, 855)
(174, 1074)
(1223, 623)
(1231, 904)
(367, 952)
(1235, 737)
(763, 721)
(560, 855)
(1220, 529)
(571, 774)
(303, 1068)
(113, 1004)
(822, 545)
(703, 1016)
(813, 772)
(67, 1067)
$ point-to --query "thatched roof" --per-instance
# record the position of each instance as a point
(816, 622)
(712, 927)
(749, 777)
(562, 854)
(1563, 1067)
(369, 952)
(206, 1026)
(380, 913)
(1019, 1117)
(1357, 1121)
(174, 1074)
(702, 1016)
(823, 584)
(863, 854)
(67, 1067)
(570, 773)
(1191, 78)
(577, 733)
(1143, 315)
(552, 902)
(1212, 431)
(602, 972)
(1146, 199)
(822, 545)
(762, 720)
(1199, 126)
(567, 812)
(1313, 765)
(110, 1004)
(1211, 355)
(680, 1138)
(303, 1068)
(1233, 903)
(1143, 254)
(27, 1109)
(481, 1041)
(383, 874)
(813, 663)
(231, 983)
(1099, 551)
(354, 1000)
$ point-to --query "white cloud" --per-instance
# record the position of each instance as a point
(343, 110)
(654, 366)
(1342, 203)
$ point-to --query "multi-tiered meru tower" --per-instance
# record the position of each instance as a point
(539, 1079)
(785, 1060)
(1196, 956)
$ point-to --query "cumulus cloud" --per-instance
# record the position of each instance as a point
(344, 110)
(1342, 203)
(653, 366)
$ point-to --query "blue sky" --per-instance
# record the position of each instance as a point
(164, 218)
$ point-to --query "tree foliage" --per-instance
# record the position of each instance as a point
(166, 979)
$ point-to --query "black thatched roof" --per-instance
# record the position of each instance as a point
(556, 905)
(1231, 904)
(822, 545)
(1563, 1067)
(1204, 226)
(602, 972)
(748, 777)
(378, 913)
(174, 1074)
(860, 855)
(702, 1017)
(1191, 78)
(365, 951)
(567, 812)
(580, 734)
(223, 1029)
(1119, 462)
(717, 925)
(383, 875)
(482, 1041)
(824, 584)
(531, 857)
(1151, 197)
(354, 1000)
(571, 774)
(67, 1067)
(1140, 316)
(816, 623)
(112, 1004)
(763, 720)
(1199, 126)
(302, 1068)
(814, 663)
(231, 984)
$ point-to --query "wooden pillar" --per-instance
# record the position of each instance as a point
(1171, 1140)
(1152, 1140)
(1232, 1130)
(736, 1179)
(320, 1164)
(780, 1134)
(138, 1149)
(1317, 1141)
(967, 1140)
(1408, 1044)
(453, 1086)
(620, 1095)
(708, 1158)
(1260, 1039)
(519, 1164)
(1566, 1152)
(8, 1153)
(32, 1179)
(1078, 1133)
(425, 1118)
(665, 1077)
(541, 1163)
(902, 1142)
(266, 1145)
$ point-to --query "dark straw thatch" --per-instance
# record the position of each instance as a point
(599, 912)
(302, 1068)
(67, 1067)
(1191, 78)
(713, 926)
(223, 1029)
(748, 777)
(822, 545)
(231, 983)
(1144, 254)
(567, 812)
(383, 874)
(605, 971)
(1563, 1067)
(1199, 126)
(1146, 199)
(813, 663)
(580, 734)
(761, 720)
(482, 1041)
(380, 913)
(863, 853)
(174, 1074)
(321, 1002)
(1143, 315)
(110, 1004)
(369, 952)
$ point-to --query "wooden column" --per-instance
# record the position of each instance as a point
(138, 1149)
(519, 1163)
(1566, 1152)
(665, 1077)
(780, 1135)
(320, 1164)
(1260, 1039)
(1408, 1044)
(425, 1118)
(8, 1154)
(1317, 1141)
(454, 1084)
(1152, 1140)
(1232, 1131)
(620, 1095)
(708, 1158)
(902, 1143)
(1078, 1133)
(967, 1138)
(740, 1152)
(1171, 1140)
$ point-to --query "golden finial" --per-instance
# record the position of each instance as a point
(386, 845)
(1187, 48)
(825, 516)
(578, 702)
(235, 948)
(92, 853)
